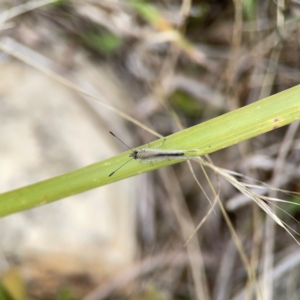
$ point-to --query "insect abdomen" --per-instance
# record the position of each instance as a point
(168, 154)
(145, 155)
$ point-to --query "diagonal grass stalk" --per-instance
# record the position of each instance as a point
(226, 130)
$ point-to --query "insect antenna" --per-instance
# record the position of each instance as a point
(120, 140)
(111, 174)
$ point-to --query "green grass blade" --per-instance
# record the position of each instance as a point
(229, 129)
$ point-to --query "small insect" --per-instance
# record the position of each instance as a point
(147, 155)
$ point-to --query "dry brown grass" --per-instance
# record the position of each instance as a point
(183, 63)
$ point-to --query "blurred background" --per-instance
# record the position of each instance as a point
(169, 65)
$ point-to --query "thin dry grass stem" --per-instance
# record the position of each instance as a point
(238, 24)
(270, 199)
(185, 222)
(185, 8)
(168, 67)
(271, 72)
(230, 72)
(257, 238)
(199, 184)
(267, 278)
(23, 8)
(161, 87)
(287, 264)
(262, 185)
(223, 283)
(258, 199)
(175, 34)
(280, 13)
(268, 259)
(137, 270)
(201, 223)
(72, 86)
(250, 272)
(285, 212)
(212, 204)
(267, 282)
(283, 151)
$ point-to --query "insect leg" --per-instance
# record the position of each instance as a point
(159, 144)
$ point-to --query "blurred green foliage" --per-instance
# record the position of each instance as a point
(250, 9)
(65, 294)
(185, 104)
(104, 42)
(60, 3)
(146, 11)
(150, 292)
